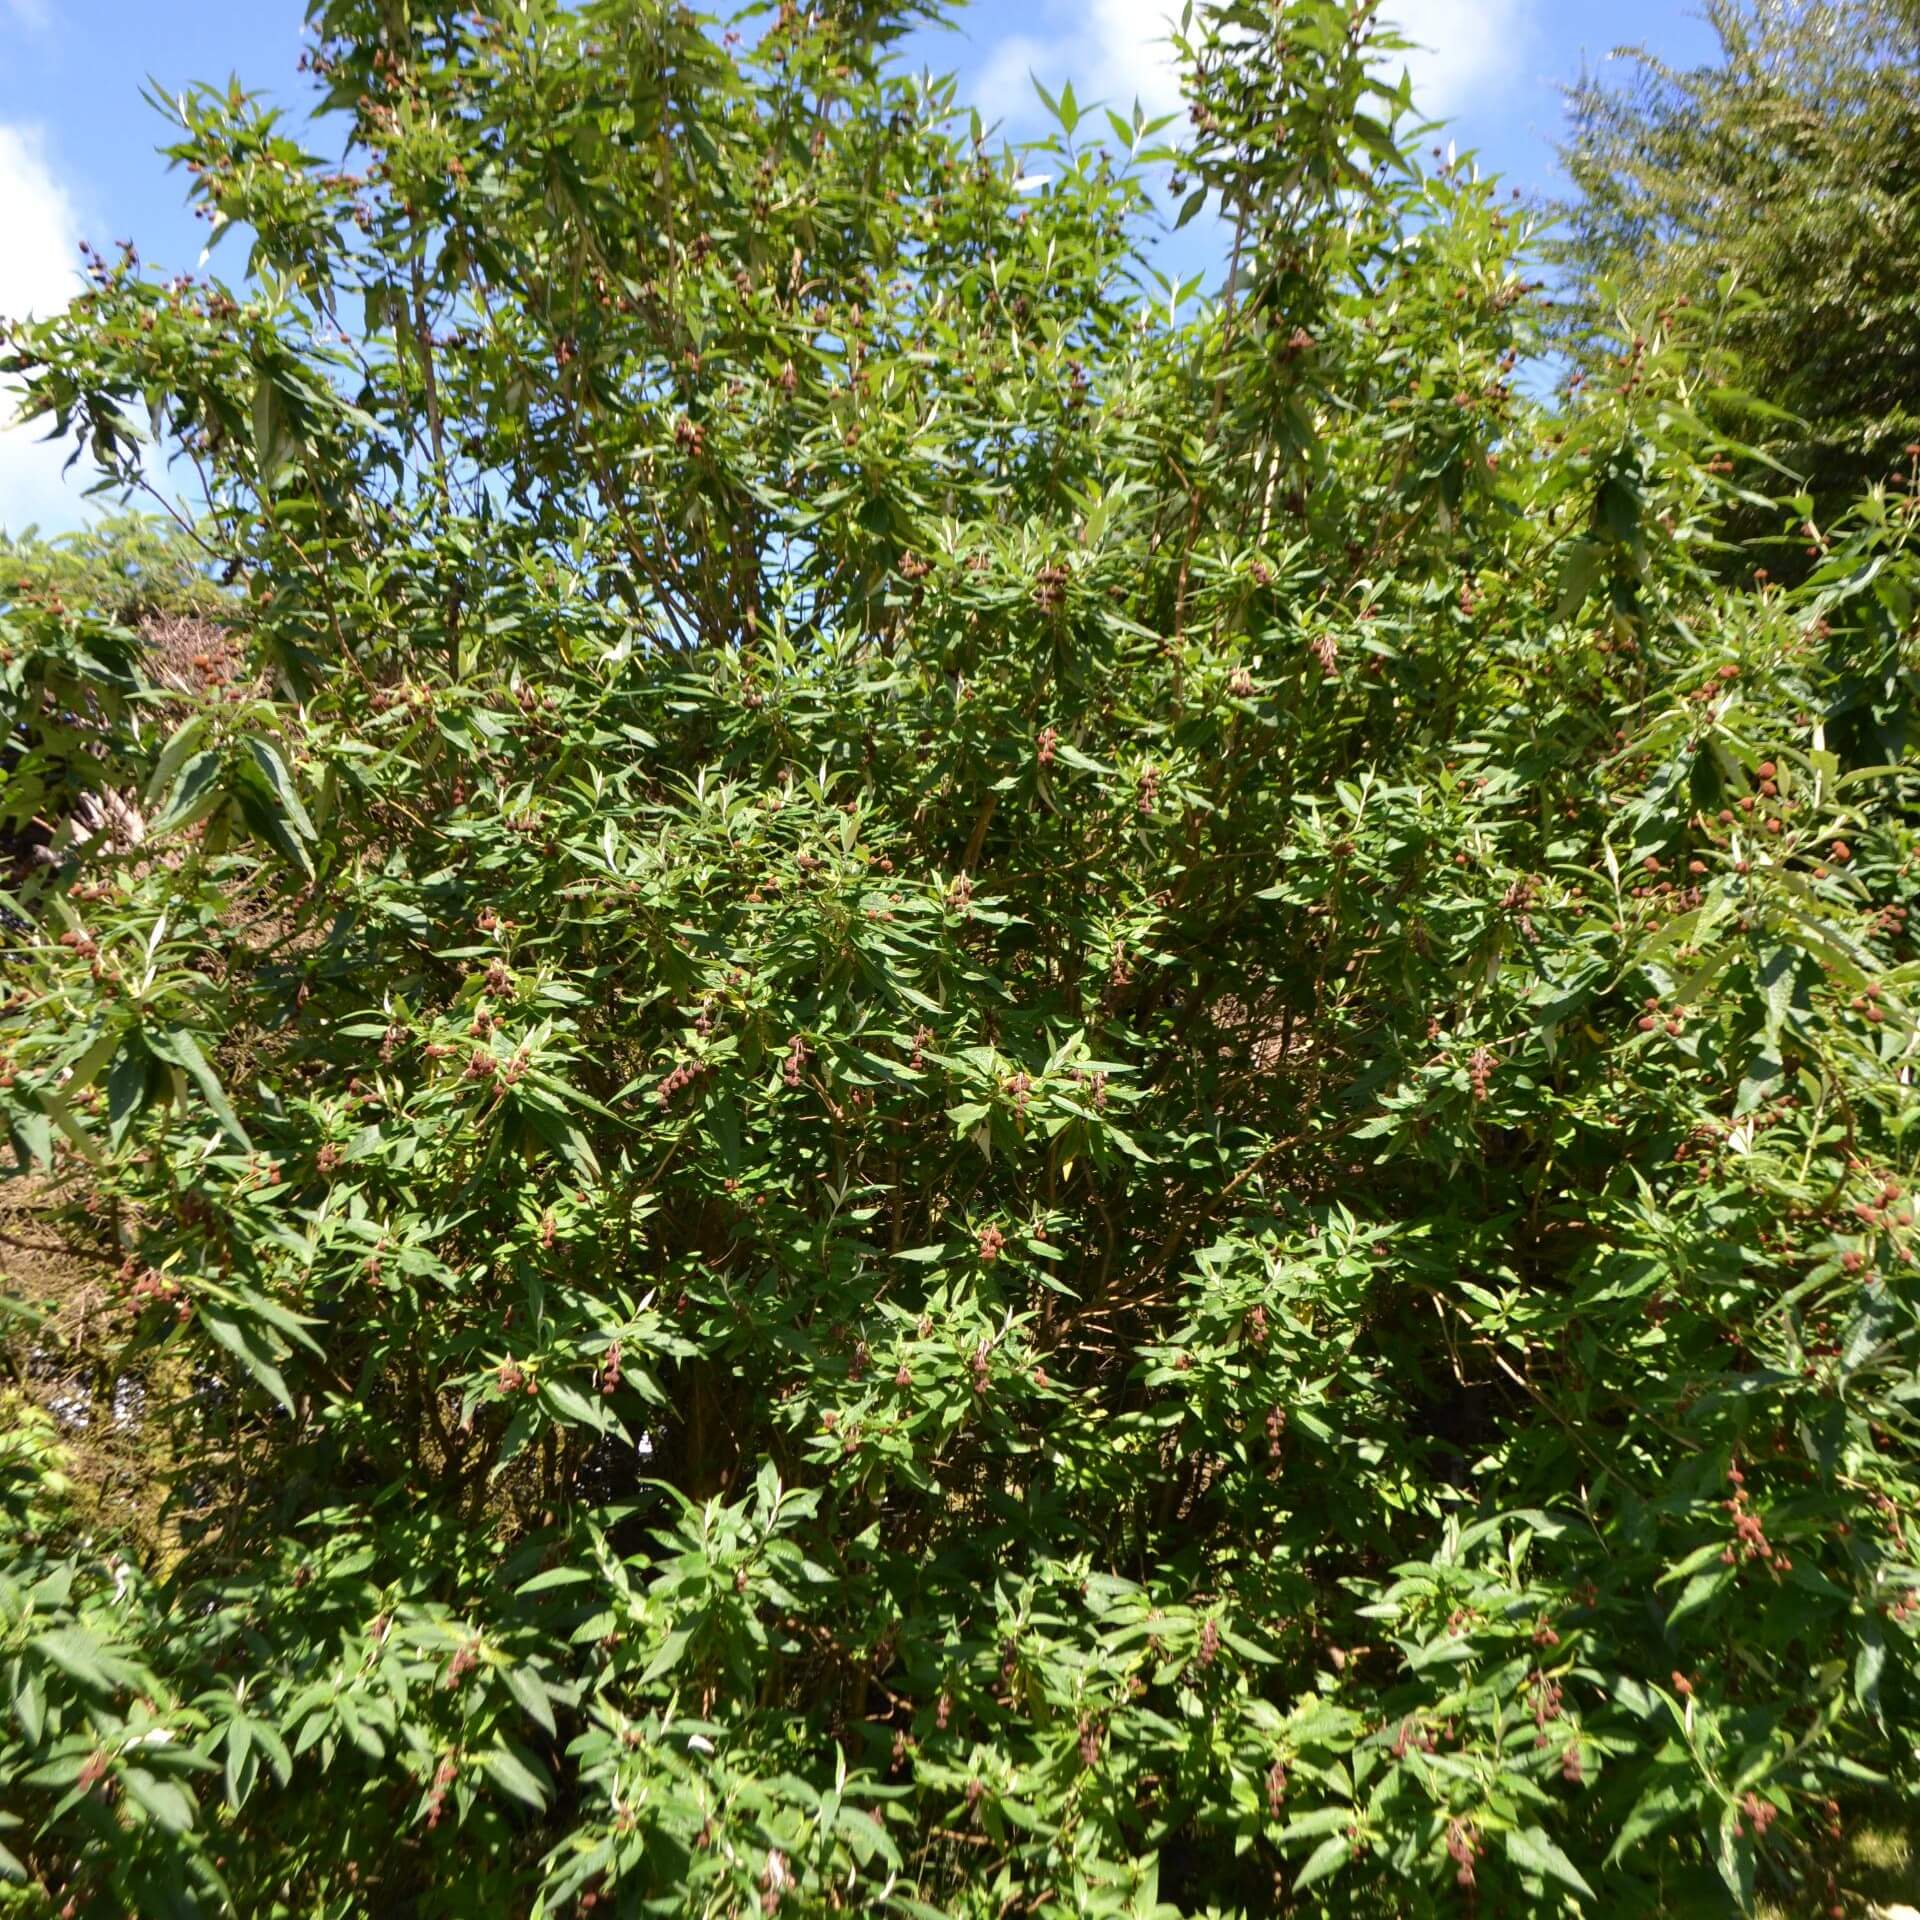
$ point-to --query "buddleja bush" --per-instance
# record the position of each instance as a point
(931, 1085)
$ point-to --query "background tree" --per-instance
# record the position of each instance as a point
(145, 578)
(929, 1086)
(1780, 186)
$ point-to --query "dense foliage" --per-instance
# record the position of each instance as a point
(913, 1082)
(1780, 184)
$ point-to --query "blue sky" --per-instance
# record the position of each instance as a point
(77, 140)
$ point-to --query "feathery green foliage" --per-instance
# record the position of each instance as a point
(1779, 186)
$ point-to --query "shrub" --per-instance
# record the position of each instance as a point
(936, 1088)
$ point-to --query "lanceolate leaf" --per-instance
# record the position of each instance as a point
(180, 1047)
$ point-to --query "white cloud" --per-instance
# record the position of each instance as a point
(37, 275)
(37, 267)
(1117, 51)
(1114, 51)
(1462, 47)
(30, 13)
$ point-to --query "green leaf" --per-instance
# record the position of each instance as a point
(556, 1577)
(1869, 1663)
(173, 756)
(249, 1347)
(266, 756)
(1758, 1082)
(31, 1134)
(243, 1763)
(1700, 1591)
(1325, 1861)
(518, 1774)
(30, 1705)
(267, 1738)
(1776, 985)
(1737, 1859)
(564, 1399)
(129, 1080)
(273, 439)
(180, 1048)
(271, 804)
(1657, 1808)
(277, 1317)
(1530, 1849)
(77, 1654)
(165, 1802)
(530, 1690)
(195, 793)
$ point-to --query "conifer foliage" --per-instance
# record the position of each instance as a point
(925, 1082)
(1780, 182)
